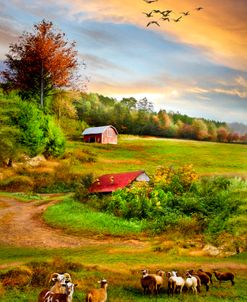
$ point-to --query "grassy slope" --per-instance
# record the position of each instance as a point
(135, 153)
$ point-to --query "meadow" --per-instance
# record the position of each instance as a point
(124, 247)
(146, 153)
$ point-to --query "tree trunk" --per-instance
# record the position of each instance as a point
(42, 85)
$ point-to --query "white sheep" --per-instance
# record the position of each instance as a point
(191, 282)
(49, 296)
(60, 279)
(99, 294)
(175, 282)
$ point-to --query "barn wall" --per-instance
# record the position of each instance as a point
(92, 137)
(109, 136)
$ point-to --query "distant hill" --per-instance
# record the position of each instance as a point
(238, 127)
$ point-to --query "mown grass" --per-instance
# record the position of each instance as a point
(80, 218)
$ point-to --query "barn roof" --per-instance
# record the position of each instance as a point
(98, 130)
(112, 182)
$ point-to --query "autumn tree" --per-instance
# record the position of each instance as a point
(200, 129)
(40, 61)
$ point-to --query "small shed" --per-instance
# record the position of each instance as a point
(111, 182)
(104, 135)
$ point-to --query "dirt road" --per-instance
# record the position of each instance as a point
(21, 225)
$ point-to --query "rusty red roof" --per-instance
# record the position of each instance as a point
(112, 182)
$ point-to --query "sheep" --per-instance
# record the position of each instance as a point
(47, 295)
(159, 279)
(205, 280)
(208, 273)
(224, 276)
(99, 294)
(191, 282)
(60, 280)
(175, 282)
(148, 283)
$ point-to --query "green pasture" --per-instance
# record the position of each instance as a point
(121, 266)
(146, 153)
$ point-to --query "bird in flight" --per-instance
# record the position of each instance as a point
(150, 1)
(148, 14)
(178, 19)
(165, 19)
(199, 8)
(185, 13)
(153, 22)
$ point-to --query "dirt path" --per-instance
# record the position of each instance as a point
(21, 225)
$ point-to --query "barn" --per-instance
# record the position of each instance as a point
(111, 182)
(104, 135)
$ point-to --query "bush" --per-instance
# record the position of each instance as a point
(55, 140)
(177, 199)
(17, 183)
(30, 120)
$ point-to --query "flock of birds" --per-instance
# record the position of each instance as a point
(165, 15)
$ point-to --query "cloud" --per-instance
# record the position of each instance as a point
(219, 30)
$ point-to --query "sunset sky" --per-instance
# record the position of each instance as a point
(197, 66)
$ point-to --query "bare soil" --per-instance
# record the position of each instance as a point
(21, 225)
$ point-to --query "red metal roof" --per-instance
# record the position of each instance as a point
(112, 182)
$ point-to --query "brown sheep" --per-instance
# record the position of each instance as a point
(99, 294)
(208, 273)
(226, 276)
(148, 283)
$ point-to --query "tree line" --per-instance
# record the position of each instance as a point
(131, 116)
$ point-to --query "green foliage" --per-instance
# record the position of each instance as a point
(25, 127)
(55, 140)
(9, 146)
(176, 199)
(30, 120)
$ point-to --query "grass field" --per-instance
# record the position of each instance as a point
(121, 266)
(120, 260)
(135, 153)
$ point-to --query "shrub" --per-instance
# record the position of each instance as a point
(30, 120)
(16, 278)
(55, 140)
(17, 183)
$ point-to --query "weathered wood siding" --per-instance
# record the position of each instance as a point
(109, 136)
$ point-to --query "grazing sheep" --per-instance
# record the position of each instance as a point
(47, 295)
(174, 283)
(224, 276)
(159, 279)
(205, 280)
(208, 273)
(99, 294)
(60, 282)
(148, 283)
(191, 282)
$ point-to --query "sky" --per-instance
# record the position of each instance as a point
(197, 66)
